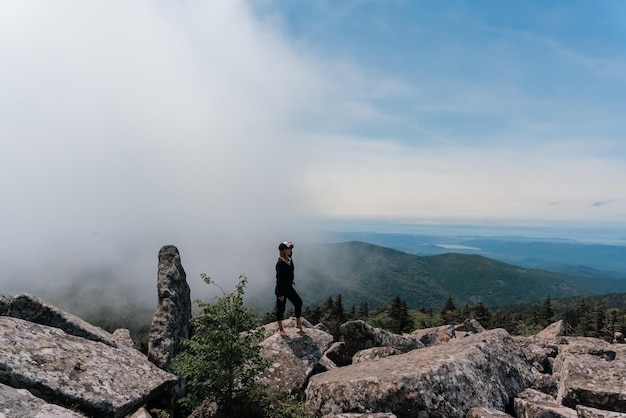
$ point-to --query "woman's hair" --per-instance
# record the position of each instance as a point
(283, 254)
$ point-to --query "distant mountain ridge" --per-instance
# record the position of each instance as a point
(554, 254)
(363, 272)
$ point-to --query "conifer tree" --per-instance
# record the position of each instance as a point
(584, 324)
(547, 313)
(613, 320)
(401, 321)
(448, 306)
(482, 314)
(338, 313)
(600, 320)
(328, 305)
(363, 311)
(448, 312)
(352, 312)
(317, 315)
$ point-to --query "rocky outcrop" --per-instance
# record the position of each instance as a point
(554, 330)
(71, 371)
(546, 383)
(123, 338)
(589, 372)
(338, 354)
(483, 370)
(294, 358)
(468, 327)
(588, 412)
(33, 309)
(470, 376)
(53, 360)
(541, 355)
(349, 415)
(289, 323)
(359, 335)
(531, 404)
(575, 376)
(5, 303)
(171, 321)
(373, 353)
(20, 403)
(480, 412)
(434, 336)
(140, 413)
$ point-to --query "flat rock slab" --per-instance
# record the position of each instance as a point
(33, 309)
(588, 412)
(532, 403)
(95, 378)
(593, 382)
(360, 335)
(294, 357)
(481, 370)
(486, 413)
(20, 403)
(592, 373)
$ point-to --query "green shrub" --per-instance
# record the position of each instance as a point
(222, 358)
(285, 406)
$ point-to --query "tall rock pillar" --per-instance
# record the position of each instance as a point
(171, 321)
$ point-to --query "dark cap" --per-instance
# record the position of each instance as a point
(284, 245)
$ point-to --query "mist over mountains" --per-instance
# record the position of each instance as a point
(366, 273)
(361, 266)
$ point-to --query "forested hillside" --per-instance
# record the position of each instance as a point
(554, 254)
(363, 272)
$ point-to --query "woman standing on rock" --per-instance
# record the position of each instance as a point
(284, 286)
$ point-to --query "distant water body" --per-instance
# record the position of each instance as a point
(456, 247)
(593, 233)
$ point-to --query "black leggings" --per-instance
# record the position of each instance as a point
(292, 295)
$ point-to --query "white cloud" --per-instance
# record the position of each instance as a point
(377, 178)
(130, 125)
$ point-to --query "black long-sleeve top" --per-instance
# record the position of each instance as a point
(284, 277)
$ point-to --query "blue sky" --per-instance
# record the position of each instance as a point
(493, 110)
(234, 124)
